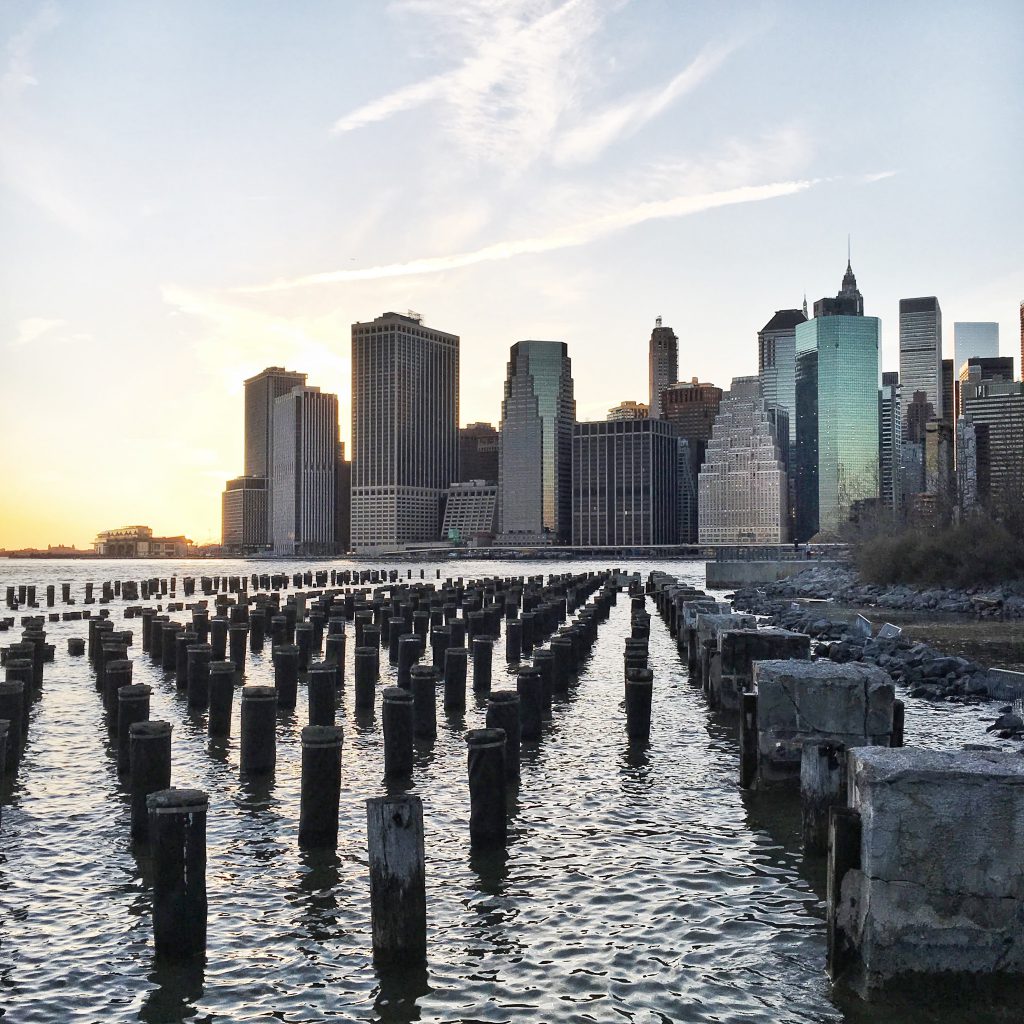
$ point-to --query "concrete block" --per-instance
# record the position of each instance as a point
(740, 648)
(707, 627)
(889, 632)
(940, 885)
(817, 701)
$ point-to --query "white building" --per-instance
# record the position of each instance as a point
(305, 463)
(742, 486)
(471, 509)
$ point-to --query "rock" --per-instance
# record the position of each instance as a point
(1008, 723)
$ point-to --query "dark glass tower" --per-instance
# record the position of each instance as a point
(806, 445)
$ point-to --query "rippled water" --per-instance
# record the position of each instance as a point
(638, 885)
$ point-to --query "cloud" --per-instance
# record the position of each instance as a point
(524, 71)
(569, 237)
(870, 179)
(597, 132)
(19, 74)
(32, 329)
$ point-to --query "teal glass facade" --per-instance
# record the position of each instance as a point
(848, 373)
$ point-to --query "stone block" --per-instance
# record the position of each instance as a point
(807, 701)
(940, 885)
(740, 648)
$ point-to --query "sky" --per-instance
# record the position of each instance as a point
(192, 190)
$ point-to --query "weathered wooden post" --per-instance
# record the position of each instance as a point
(822, 778)
(13, 709)
(483, 647)
(320, 687)
(238, 635)
(222, 695)
(639, 691)
(513, 641)
(149, 745)
(367, 660)
(503, 715)
(530, 687)
(286, 675)
(321, 786)
(488, 813)
(258, 752)
(198, 670)
(398, 900)
(455, 662)
(132, 707)
(544, 662)
(748, 740)
(398, 722)
(424, 683)
(177, 829)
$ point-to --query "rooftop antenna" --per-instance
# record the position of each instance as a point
(848, 250)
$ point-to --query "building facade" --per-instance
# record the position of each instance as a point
(921, 351)
(139, 542)
(995, 408)
(343, 502)
(890, 444)
(776, 362)
(625, 489)
(805, 461)
(405, 429)
(305, 462)
(470, 512)
(846, 413)
(478, 453)
(535, 446)
(663, 365)
(974, 338)
(628, 411)
(243, 515)
(743, 489)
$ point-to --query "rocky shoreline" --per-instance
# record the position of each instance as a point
(926, 672)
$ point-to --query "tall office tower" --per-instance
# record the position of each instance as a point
(974, 339)
(305, 461)
(890, 443)
(261, 392)
(996, 410)
(478, 453)
(535, 445)
(776, 362)
(743, 492)
(987, 368)
(1020, 365)
(663, 365)
(691, 408)
(966, 465)
(628, 411)
(343, 503)
(849, 301)
(921, 351)
(405, 429)
(470, 511)
(948, 392)
(243, 515)
(916, 414)
(847, 409)
(687, 532)
(805, 461)
(939, 479)
(624, 485)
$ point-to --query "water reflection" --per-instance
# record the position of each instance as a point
(398, 992)
(178, 986)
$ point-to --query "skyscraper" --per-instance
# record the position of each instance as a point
(243, 515)
(921, 351)
(742, 486)
(343, 502)
(974, 338)
(996, 410)
(629, 411)
(776, 362)
(535, 446)
(478, 453)
(305, 460)
(948, 391)
(405, 429)
(849, 301)
(663, 366)
(624, 485)
(805, 462)
(890, 443)
(847, 345)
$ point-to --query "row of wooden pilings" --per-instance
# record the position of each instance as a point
(206, 656)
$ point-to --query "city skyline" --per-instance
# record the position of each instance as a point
(162, 247)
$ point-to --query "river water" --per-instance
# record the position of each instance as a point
(638, 885)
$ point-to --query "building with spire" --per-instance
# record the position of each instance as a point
(837, 410)
(663, 365)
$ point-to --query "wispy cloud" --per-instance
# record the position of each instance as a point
(568, 237)
(32, 329)
(598, 131)
(19, 73)
(870, 179)
(522, 72)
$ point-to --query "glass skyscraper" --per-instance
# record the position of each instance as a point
(535, 446)
(921, 351)
(776, 362)
(974, 338)
(845, 427)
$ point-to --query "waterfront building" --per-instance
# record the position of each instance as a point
(628, 411)
(663, 365)
(405, 429)
(687, 532)
(625, 489)
(743, 491)
(139, 542)
(846, 413)
(478, 453)
(974, 338)
(343, 502)
(535, 446)
(305, 457)
(921, 351)
(243, 515)
(805, 461)
(470, 512)
(890, 443)
(776, 362)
